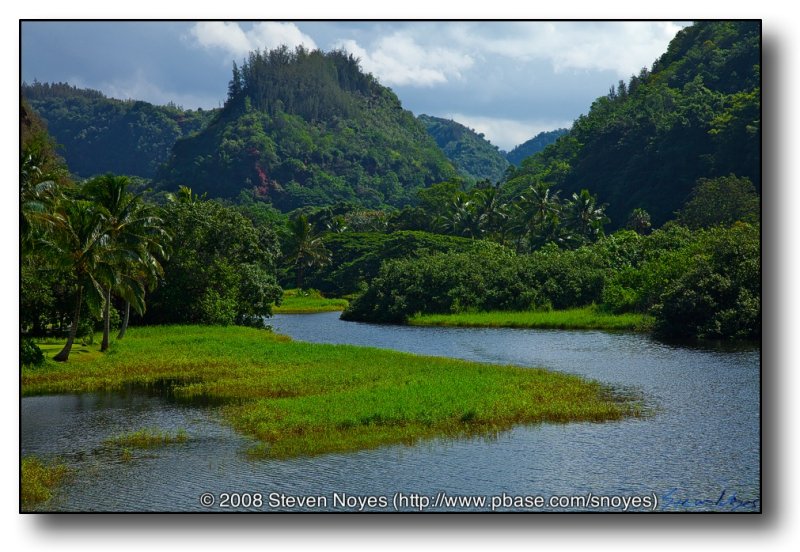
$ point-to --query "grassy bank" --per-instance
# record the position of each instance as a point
(38, 481)
(297, 301)
(304, 399)
(586, 318)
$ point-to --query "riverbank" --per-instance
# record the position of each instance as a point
(302, 399)
(585, 318)
(297, 301)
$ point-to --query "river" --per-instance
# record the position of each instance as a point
(699, 451)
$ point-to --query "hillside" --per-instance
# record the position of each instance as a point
(308, 128)
(474, 156)
(534, 145)
(99, 134)
(697, 114)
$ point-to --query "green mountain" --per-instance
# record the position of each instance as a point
(473, 155)
(534, 145)
(696, 114)
(308, 128)
(99, 134)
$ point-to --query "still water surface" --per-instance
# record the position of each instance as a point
(700, 451)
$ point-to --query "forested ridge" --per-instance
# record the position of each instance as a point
(97, 134)
(534, 145)
(695, 114)
(473, 155)
(304, 128)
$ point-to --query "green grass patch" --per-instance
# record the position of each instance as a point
(303, 399)
(585, 318)
(147, 438)
(305, 301)
(38, 481)
(79, 352)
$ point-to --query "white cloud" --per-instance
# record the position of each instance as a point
(139, 87)
(623, 46)
(400, 60)
(506, 133)
(235, 41)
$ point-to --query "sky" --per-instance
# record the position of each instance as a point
(508, 80)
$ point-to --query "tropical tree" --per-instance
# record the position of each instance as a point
(585, 217)
(722, 200)
(462, 218)
(81, 246)
(38, 194)
(220, 268)
(639, 221)
(135, 239)
(492, 212)
(305, 248)
(537, 216)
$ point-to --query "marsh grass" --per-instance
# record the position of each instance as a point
(297, 301)
(303, 399)
(146, 438)
(38, 481)
(584, 318)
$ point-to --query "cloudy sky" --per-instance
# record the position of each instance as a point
(509, 80)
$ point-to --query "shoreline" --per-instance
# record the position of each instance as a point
(303, 399)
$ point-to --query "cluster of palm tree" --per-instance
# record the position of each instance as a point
(537, 217)
(107, 238)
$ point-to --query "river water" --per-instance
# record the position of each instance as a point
(699, 451)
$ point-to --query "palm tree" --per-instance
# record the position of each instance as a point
(81, 245)
(135, 237)
(306, 248)
(538, 215)
(585, 217)
(39, 193)
(639, 221)
(492, 213)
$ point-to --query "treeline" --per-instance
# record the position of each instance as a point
(534, 145)
(307, 128)
(99, 134)
(696, 114)
(95, 253)
(699, 284)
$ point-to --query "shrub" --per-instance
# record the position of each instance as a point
(30, 354)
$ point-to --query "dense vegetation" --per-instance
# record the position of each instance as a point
(308, 128)
(96, 250)
(471, 153)
(375, 211)
(100, 135)
(704, 284)
(534, 145)
(356, 257)
(696, 114)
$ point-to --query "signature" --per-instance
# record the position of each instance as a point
(726, 500)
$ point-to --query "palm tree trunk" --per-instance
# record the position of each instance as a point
(299, 274)
(63, 356)
(106, 320)
(125, 319)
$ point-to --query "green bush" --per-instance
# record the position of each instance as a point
(719, 295)
(30, 354)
